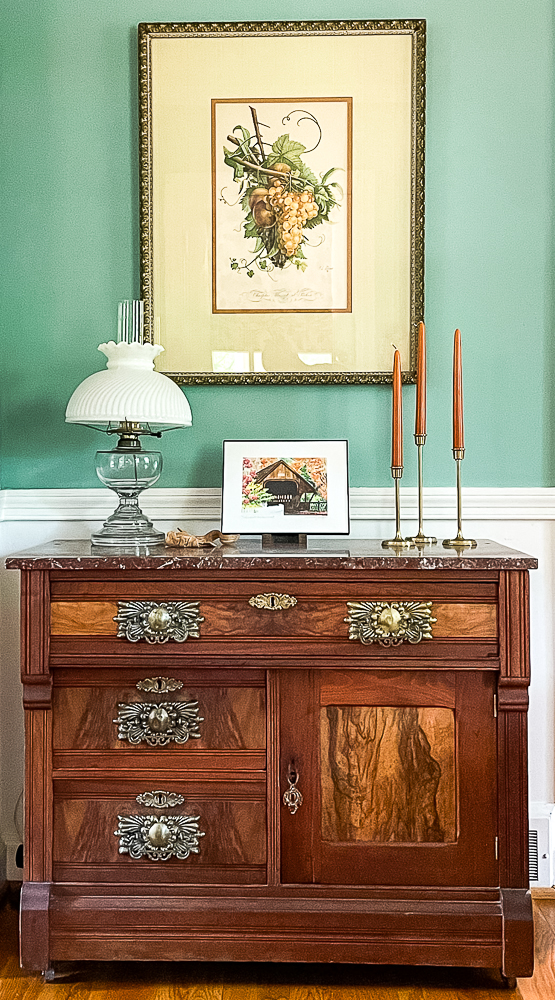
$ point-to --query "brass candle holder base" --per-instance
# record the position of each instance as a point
(398, 542)
(459, 542)
(421, 540)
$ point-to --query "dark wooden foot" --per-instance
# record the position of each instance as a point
(34, 938)
(518, 934)
(509, 982)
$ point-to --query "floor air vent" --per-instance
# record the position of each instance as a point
(533, 855)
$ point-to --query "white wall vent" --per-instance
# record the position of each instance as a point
(541, 844)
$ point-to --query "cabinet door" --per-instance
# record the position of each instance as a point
(397, 770)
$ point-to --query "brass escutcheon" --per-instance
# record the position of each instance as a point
(160, 799)
(159, 684)
(272, 602)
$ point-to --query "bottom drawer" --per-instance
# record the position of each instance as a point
(181, 836)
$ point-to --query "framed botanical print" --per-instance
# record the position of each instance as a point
(282, 213)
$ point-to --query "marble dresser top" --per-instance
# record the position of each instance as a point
(352, 553)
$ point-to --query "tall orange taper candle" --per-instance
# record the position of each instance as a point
(397, 417)
(420, 419)
(458, 424)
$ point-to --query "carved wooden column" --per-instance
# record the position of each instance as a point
(514, 680)
(37, 701)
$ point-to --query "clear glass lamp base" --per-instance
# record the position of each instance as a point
(128, 470)
(128, 526)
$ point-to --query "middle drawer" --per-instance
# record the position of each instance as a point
(144, 720)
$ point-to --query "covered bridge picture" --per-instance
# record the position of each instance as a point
(299, 484)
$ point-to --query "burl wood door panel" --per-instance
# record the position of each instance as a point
(388, 774)
(230, 848)
(405, 792)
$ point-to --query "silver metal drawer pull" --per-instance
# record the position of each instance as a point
(158, 622)
(158, 723)
(272, 602)
(159, 685)
(158, 837)
(390, 623)
(159, 799)
(292, 798)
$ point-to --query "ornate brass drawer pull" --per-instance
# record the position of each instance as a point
(159, 799)
(158, 837)
(159, 723)
(273, 602)
(292, 797)
(158, 622)
(390, 623)
(160, 685)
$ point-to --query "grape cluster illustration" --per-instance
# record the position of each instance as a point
(281, 198)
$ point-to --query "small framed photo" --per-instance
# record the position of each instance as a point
(285, 487)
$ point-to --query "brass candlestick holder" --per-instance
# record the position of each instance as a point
(398, 542)
(460, 542)
(421, 538)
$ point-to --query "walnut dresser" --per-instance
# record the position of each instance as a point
(276, 755)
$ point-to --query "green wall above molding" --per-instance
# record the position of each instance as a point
(70, 245)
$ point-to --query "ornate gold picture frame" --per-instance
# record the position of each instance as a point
(282, 215)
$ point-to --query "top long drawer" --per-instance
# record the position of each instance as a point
(383, 612)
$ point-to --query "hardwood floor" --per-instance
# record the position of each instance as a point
(542, 985)
(248, 981)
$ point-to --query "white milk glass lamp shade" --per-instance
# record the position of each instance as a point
(129, 390)
(130, 399)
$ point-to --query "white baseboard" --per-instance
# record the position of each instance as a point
(366, 504)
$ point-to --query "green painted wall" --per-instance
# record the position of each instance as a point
(70, 249)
